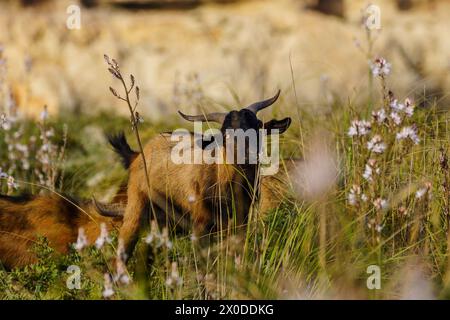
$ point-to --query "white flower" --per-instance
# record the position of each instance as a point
(3, 175)
(378, 228)
(352, 200)
(149, 238)
(409, 107)
(174, 278)
(104, 236)
(379, 116)
(164, 239)
(353, 195)
(352, 131)
(380, 203)
(154, 234)
(2, 118)
(381, 67)
(81, 240)
(376, 144)
(367, 173)
(191, 199)
(406, 108)
(396, 118)
(50, 133)
(359, 128)
(158, 239)
(12, 183)
(121, 275)
(408, 132)
(423, 191)
(369, 169)
(108, 290)
(5, 123)
(397, 106)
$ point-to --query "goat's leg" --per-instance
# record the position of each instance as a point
(203, 222)
(132, 220)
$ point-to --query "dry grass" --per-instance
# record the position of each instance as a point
(341, 209)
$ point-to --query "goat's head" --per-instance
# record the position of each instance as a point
(244, 119)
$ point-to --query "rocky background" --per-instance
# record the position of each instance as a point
(218, 55)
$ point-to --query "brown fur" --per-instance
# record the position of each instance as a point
(274, 189)
(206, 184)
(210, 196)
(185, 194)
(58, 219)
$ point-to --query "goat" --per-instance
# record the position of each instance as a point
(55, 217)
(210, 195)
(275, 189)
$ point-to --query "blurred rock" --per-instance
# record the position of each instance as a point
(238, 53)
(331, 7)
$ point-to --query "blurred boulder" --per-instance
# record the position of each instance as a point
(238, 53)
(404, 4)
(331, 7)
(32, 2)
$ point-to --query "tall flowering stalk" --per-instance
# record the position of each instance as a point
(135, 118)
(17, 154)
(389, 133)
(7, 120)
(49, 156)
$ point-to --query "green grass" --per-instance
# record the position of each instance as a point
(315, 248)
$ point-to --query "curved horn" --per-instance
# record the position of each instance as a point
(218, 117)
(258, 106)
(107, 211)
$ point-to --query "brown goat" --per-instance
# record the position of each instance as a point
(275, 189)
(209, 195)
(57, 218)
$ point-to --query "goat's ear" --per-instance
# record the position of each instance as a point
(281, 125)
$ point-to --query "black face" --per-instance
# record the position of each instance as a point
(242, 124)
(246, 120)
(243, 119)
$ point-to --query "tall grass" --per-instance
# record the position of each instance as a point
(308, 247)
(366, 192)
